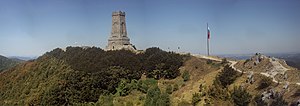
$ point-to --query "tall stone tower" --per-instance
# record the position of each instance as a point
(118, 38)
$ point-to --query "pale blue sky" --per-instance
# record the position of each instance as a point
(33, 27)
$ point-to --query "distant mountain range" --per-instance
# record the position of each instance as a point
(22, 58)
(6, 63)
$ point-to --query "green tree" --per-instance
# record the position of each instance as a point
(153, 95)
(240, 96)
(164, 100)
(160, 64)
(217, 91)
(124, 87)
(144, 85)
(227, 76)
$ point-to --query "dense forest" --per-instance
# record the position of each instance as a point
(80, 75)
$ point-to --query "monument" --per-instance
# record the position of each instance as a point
(118, 38)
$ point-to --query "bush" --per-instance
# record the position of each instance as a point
(169, 89)
(184, 103)
(202, 89)
(259, 102)
(144, 85)
(297, 93)
(129, 103)
(186, 76)
(175, 87)
(164, 100)
(105, 101)
(209, 61)
(153, 95)
(224, 61)
(196, 98)
(240, 96)
(278, 101)
(217, 91)
(124, 87)
(264, 83)
(227, 76)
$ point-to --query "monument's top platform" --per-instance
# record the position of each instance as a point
(118, 13)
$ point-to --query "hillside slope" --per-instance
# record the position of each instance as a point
(28, 82)
(6, 63)
(78, 75)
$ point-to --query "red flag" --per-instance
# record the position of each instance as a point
(208, 33)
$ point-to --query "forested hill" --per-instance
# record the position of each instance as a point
(79, 75)
(6, 63)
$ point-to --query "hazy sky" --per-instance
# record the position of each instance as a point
(33, 27)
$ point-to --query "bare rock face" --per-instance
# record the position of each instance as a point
(118, 38)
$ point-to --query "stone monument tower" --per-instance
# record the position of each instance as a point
(118, 38)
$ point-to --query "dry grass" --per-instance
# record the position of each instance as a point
(201, 72)
(133, 97)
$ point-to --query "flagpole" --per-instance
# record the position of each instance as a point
(207, 40)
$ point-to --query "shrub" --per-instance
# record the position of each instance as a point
(186, 76)
(240, 96)
(217, 91)
(202, 89)
(297, 93)
(169, 89)
(224, 61)
(184, 103)
(124, 87)
(196, 98)
(259, 102)
(264, 83)
(144, 85)
(227, 76)
(175, 87)
(142, 97)
(153, 95)
(160, 64)
(129, 103)
(209, 61)
(105, 101)
(278, 100)
(164, 100)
